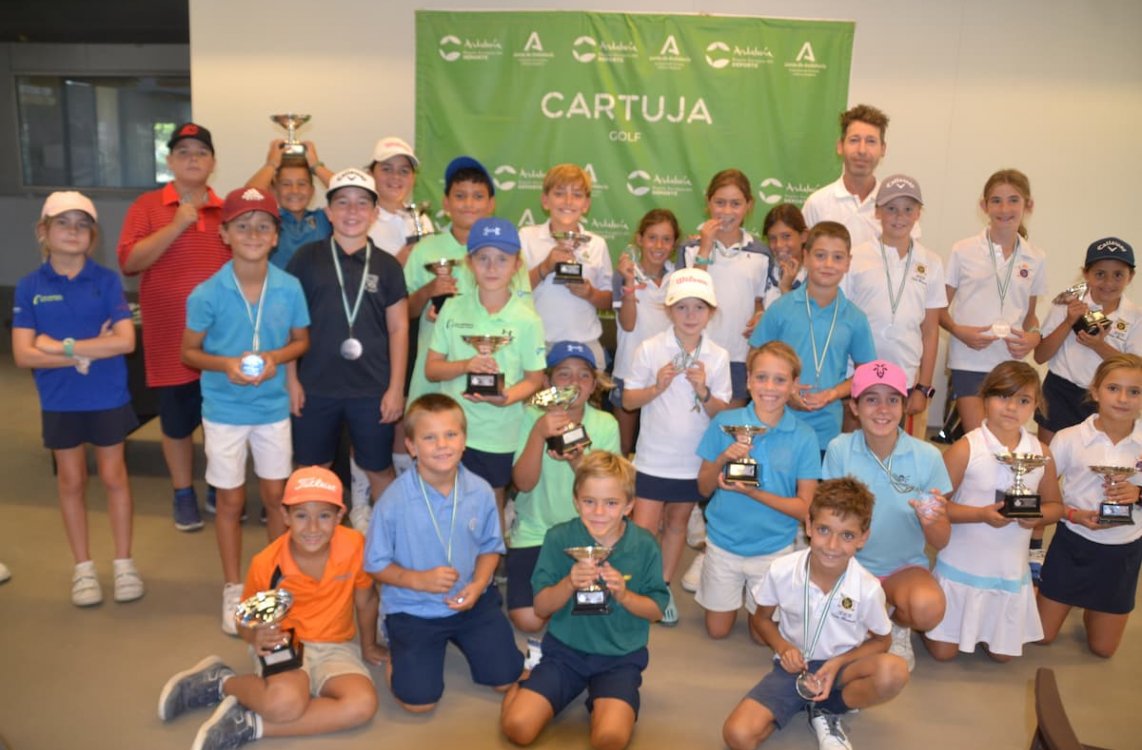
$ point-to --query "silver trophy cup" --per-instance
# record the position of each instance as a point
(1093, 321)
(486, 383)
(570, 272)
(595, 599)
(1111, 513)
(574, 435)
(267, 609)
(438, 267)
(1019, 501)
(745, 470)
(291, 122)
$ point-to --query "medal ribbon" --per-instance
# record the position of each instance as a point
(1001, 286)
(432, 516)
(255, 321)
(819, 360)
(823, 615)
(351, 316)
(899, 482)
(894, 299)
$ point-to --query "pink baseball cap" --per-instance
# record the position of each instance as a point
(879, 372)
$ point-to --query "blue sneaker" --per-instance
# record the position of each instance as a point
(186, 516)
(197, 687)
(229, 727)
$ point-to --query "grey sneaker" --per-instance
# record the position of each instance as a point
(197, 687)
(830, 733)
(230, 726)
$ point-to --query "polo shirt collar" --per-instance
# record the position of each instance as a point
(800, 293)
(903, 447)
(360, 254)
(338, 551)
(787, 423)
(1089, 434)
(51, 274)
(840, 192)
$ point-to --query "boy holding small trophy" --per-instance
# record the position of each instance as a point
(596, 640)
(328, 688)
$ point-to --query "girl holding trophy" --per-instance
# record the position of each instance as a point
(1095, 555)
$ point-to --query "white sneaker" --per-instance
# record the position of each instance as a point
(696, 530)
(231, 598)
(693, 575)
(358, 485)
(830, 733)
(85, 588)
(902, 645)
(360, 516)
(5, 574)
(128, 583)
(534, 653)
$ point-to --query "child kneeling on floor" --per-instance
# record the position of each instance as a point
(321, 563)
(833, 634)
(604, 652)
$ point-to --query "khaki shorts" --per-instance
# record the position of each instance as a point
(725, 576)
(324, 661)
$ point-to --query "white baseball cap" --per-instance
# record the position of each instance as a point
(351, 177)
(391, 146)
(690, 282)
(68, 200)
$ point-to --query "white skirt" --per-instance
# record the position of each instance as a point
(1002, 620)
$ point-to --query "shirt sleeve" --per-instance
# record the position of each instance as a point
(601, 272)
(1039, 279)
(380, 548)
(808, 453)
(713, 441)
(765, 592)
(1056, 314)
(23, 311)
(833, 466)
(551, 566)
(952, 276)
(491, 537)
(874, 612)
(650, 580)
(199, 310)
(767, 329)
(863, 346)
(533, 348)
(641, 372)
(136, 226)
(440, 338)
(719, 381)
(392, 277)
(116, 300)
(937, 296)
(605, 435)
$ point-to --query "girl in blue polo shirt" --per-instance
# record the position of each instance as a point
(71, 326)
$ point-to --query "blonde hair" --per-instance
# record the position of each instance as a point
(566, 174)
(604, 464)
(778, 349)
(1121, 361)
(432, 403)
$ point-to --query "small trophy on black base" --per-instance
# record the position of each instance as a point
(570, 272)
(418, 224)
(744, 470)
(266, 609)
(595, 599)
(573, 435)
(1093, 321)
(441, 266)
(486, 383)
(1111, 513)
(291, 123)
(1019, 501)
(635, 256)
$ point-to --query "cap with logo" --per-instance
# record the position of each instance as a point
(1110, 248)
(391, 146)
(897, 186)
(562, 350)
(245, 199)
(690, 282)
(466, 162)
(62, 201)
(879, 372)
(313, 484)
(193, 131)
(494, 232)
(351, 177)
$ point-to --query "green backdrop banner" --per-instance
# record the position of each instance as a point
(652, 106)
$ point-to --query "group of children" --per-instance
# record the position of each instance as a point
(747, 353)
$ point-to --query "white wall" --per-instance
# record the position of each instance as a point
(1052, 87)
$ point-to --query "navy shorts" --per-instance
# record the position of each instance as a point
(738, 386)
(521, 564)
(1067, 404)
(965, 383)
(777, 691)
(666, 490)
(494, 468)
(70, 429)
(417, 645)
(1086, 574)
(616, 394)
(564, 672)
(317, 432)
(180, 409)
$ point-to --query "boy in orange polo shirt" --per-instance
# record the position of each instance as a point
(320, 563)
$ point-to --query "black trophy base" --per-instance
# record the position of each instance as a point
(591, 603)
(1019, 506)
(741, 471)
(568, 273)
(283, 658)
(574, 438)
(439, 300)
(1092, 323)
(485, 384)
(412, 239)
(1116, 514)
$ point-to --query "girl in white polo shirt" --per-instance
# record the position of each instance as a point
(680, 379)
(994, 280)
(1095, 565)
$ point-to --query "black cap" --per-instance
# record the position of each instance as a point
(190, 130)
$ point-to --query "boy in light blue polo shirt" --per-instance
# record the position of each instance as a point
(242, 325)
(825, 329)
(433, 544)
(747, 527)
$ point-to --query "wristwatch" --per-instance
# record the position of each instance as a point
(927, 390)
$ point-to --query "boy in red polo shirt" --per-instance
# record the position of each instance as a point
(320, 562)
(170, 236)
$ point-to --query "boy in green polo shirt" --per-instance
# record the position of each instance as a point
(602, 653)
(492, 310)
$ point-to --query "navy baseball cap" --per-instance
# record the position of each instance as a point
(493, 232)
(466, 162)
(1110, 248)
(562, 350)
(194, 131)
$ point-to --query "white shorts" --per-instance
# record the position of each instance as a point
(324, 661)
(226, 451)
(725, 575)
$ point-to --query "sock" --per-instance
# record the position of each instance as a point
(257, 726)
(1036, 543)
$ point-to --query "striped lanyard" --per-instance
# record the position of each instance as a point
(823, 615)
(894, 299)
(1002, 286)
(819, 360)
(255, 320)
(432, 516)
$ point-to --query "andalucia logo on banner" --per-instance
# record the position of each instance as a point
(652, 106)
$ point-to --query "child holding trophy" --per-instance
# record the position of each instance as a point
(557, 432)
(398, 224)
(599, 578)
(761, 463)
(71, 326)
(487, 352)
(680, 379)
(1096, 552)
(319, 563)
(983, 568)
